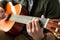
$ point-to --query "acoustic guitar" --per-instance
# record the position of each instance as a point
(19, 18)
(52, 25)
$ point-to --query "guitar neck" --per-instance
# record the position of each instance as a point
(25, 19)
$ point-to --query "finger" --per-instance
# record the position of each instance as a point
(29, 26)
(58, 20)
(39, 30)
(37, 24)
(54, 20)
(33, 25)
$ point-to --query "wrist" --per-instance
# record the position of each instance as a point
(42, 38)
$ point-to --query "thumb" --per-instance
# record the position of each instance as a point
(42, 16)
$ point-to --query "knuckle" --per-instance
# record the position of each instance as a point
(29, 31)
(33, 31)
(37, 30)
(29, 23)
(37, 20)
(32, 20)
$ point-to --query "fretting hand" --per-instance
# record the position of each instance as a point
(34, 29)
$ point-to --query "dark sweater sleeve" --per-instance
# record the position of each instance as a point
(52, 9)
(49, 8)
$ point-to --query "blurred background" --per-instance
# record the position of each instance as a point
(23, 2)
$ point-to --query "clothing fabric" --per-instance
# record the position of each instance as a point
(48, 8)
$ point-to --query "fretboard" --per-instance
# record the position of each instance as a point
(25, 19)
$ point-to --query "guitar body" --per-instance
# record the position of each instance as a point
(11, 27)
(17, 27)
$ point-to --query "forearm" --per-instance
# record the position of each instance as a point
(47, 36)
(40, 38)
